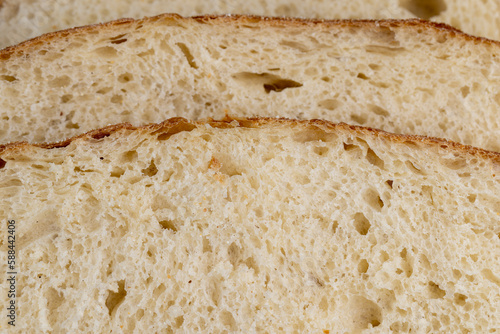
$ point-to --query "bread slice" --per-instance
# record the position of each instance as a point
(400, 76)
(23, 19)
(253, 226)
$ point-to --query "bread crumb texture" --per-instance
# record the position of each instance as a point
(269, 227)
(23, 19)
(400, 76)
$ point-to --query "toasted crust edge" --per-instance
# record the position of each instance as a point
(179, 124)
(440, 28)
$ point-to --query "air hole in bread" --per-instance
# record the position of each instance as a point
(252, 264)
(270, 82)
(168, 225)
(335, 225)
(234, 253)
(280, 85)
(457, 274)
(139, 314)
(125, 77)
(374, 159)
(454, 164)
(66, 98)
(435, 292)
(227, 319)
(413, 167)
(359, 119)
(382, 50)
(460, 299)
(365, 313)
(106, 52)
(145, 54)
(100, 135)
(119, 41)
(2, 163)
(151, 170)
(40, 167)
(321, 151)
(329, 104)
(71, 125)
(424, 263)
(225, 166)
(60, 82)
(378, 110)
(361, 223)
(8, 78)
(117, 172)
(168, 131)
(488, 274)
(117, 99)
(424, 9)
(465, 90)
(129, 156)
(351, 147)
(118, 37)
(400, 327)
(187, 54)
(104, 90)
(79, 169)
(362, 76)
(207, 247)
(159, 290)
(323, 305)
(54, 301)
(384, 257)
(295, 45)
(115, 298)
(363, 266)
(178, 322)
(310, 136)
(406, 262)
(372, 198)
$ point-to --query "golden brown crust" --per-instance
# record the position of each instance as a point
(414, 24)
(179, 124)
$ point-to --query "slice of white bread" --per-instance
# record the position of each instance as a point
(23, 19)
(400, 76)
(253, 226)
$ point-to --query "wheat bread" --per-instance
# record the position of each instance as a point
(253, 226)
(23, 19)
(400, 76)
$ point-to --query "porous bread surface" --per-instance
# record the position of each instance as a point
(253, 226)
(400, 76)
(23, 19)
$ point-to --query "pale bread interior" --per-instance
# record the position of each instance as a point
(403, 77)
(23, 19)
(270, 227)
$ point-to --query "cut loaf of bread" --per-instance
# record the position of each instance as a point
(400, 76)
(23, 19)
(253, 226)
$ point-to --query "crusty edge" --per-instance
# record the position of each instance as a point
(179, 124)
(414, 24)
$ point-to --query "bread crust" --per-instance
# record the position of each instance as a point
(418, 25)
(179, 124)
